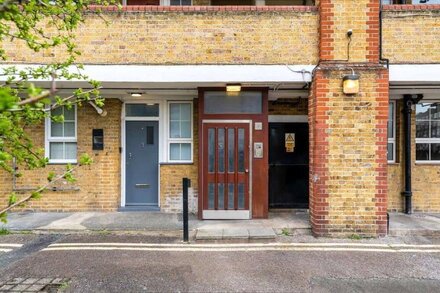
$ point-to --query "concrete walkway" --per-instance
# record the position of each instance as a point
(290, 222)
(414, 225)
(293, 222)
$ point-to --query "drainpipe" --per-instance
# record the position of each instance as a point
(408, 100)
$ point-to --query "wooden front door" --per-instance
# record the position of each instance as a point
(226, 171)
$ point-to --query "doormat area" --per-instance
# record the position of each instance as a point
(49, 285)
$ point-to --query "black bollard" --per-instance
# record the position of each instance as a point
(186, 183)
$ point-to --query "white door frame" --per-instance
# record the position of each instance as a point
(228, 215)
(162, 109)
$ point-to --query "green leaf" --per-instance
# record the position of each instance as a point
(12, 199)
(85, 160)
(36, 195)
(51, 176)
(4, 218)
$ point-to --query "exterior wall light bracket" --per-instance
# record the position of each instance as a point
(350, 83)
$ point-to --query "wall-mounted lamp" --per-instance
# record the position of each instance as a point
(136, 95)
(233, 87)
(350, 84)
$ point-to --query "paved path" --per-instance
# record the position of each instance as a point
(135, 263)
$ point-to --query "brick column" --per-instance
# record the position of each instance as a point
(348, 165)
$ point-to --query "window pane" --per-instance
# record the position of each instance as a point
(435, 152)
(174, 129)
(56, 151)
(185, 149)
(390, 152)
(221, 150)
(435, 111)
(57, 111)
(70, 150)
(69, 129)
(435, 129)
(211, 149)
(185, 128)
(56, 129)
(241, 150)
(231, 150)
(185, 112)
(141, 110)
(221, 196)
(69, 114)
(422, 111)
(422, 129)
(241, 195)
(244, 102)
(175, 112)
(174, 151)
(231, 196)
(211, 196)
(391, 121)
(422, 152)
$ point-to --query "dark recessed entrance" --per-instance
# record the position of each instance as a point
(288, 165)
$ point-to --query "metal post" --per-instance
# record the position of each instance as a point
(186, 183)
(407, 193)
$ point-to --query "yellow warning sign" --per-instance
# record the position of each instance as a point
(289, 142)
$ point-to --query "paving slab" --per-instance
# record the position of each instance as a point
(235, 233)
(416, 224)
(209, 234)
(258, 233)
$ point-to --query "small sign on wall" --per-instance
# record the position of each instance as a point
(289, 142)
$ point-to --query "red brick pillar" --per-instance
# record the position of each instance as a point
(348, 165)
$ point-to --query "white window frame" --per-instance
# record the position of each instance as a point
(49, 139)
(426, 140)
(168, 3)
(179, 140)
(393, 139)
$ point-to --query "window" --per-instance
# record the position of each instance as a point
(242, 103)
(391, 147)
(180, 2)
(61, 142)
(428, 132)
(180, 132)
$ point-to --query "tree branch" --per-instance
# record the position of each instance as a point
(27, 198)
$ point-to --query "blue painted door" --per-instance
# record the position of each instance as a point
(141, 163)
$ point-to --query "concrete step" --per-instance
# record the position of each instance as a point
(235, 233)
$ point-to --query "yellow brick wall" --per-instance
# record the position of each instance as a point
(425, 178)
(208, 37)
(342, 23)
(171, 177)
(289, 106)
(99, 184)
(411, 36)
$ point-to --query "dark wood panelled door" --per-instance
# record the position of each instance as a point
(226, 171)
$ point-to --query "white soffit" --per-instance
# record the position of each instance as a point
(188, 76)
(415, 74)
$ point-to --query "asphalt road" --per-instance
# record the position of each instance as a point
(125, 265)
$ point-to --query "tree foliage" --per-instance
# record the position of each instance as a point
(39, 25)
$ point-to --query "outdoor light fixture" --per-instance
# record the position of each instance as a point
(233, 88)
(350, 83)
(136, 94)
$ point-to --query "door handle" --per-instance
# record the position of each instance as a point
(246, 171)
(129, 155)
